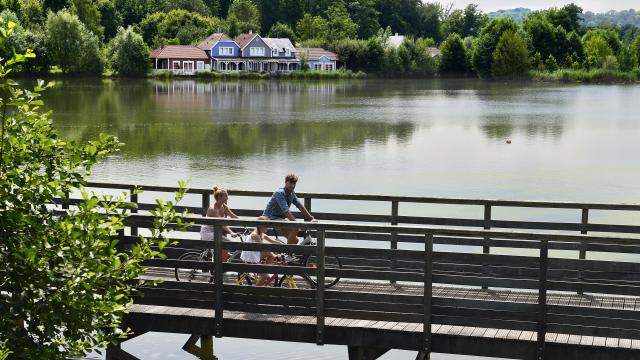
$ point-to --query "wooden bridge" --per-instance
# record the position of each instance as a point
(504, 288)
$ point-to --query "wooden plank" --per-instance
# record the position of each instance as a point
(218, 281)
(427, 293)
(542, 300)
(320, 270)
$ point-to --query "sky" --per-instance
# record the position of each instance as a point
(587, 5)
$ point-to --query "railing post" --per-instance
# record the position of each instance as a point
(542, 299)
(428, 292)
(307, 203)
(320, 269)
(205, 204)
(583, 251)
(218, 279)
(394, 235)
(486, 249)
(133, 197)
(66, 201)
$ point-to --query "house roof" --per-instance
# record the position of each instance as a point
(178, 52)
(244, 39)
(434, 52)
(315, 54)
(279, 43)
(208, 43)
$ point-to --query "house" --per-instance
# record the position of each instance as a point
(318, 58)
(223, 53)
(181, 59)
(255, 52)
(395, 41)
(283, 55)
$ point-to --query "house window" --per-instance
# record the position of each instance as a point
(317, 67)
(176, 65)
(328, 67)
(274, 52)
(200, 65)
(256, 51)
(287, 52)
(226, 51)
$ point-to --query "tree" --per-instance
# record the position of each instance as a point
(611, 37)
(65, 283)
(133, 11)
(32, 13)
(89, 14)
(542, 34)
(453, 58)
(70, 45)
(486, 43)
(627, 59)
(551, 63)
(576, 47)
(568, 17)
(149, 27)
(110, 18)
(312, 27)
(214, 7)
(245, 13)
(55, 5)
(511, 58)
(635, 47)
(186, 27)
(428, 21)
(597, 49)
(195, 6)
(280, 30)
(340, 24)
(365, 15)
(128, 54)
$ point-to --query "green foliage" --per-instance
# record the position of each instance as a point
(486, 43)
(453, 57)
(410, 17)
(55, 5)
(340, 24)
(110, 17)
(195, 6)
(510, 59)
(70, 45)
(627, 59)
(536, 62)
(622, 17)
(128, 54)
(246, 15)
(133, 11)
(65, 283)
(551, 63)
(610, 36)
(576, 47)
(545, 38)
(280, 30)
(312, 27)
(635, 47)
(89, 15)
(464, 22)
(567, 17)
(365, 15)
(176, 27)
(596, 50)
(4, 352)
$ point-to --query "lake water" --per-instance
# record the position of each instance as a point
(423, 138)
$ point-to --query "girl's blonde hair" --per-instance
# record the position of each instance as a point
(217, 191)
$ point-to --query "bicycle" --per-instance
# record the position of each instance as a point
(204, 255)
(308, 260)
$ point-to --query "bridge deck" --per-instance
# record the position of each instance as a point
(405, 335)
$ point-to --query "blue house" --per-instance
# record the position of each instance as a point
(224, 53)
(318, 59)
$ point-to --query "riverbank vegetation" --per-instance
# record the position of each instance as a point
(66, 282)
(91, 37)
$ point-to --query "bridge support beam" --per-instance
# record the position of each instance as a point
(204, 351)
(365, 353)
(115, 352)
(423, 355)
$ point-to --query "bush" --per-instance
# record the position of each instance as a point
(551, 64)
(454, 57)
(65, 283)
(128, 54)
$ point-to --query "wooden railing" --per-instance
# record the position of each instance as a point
(539, 274)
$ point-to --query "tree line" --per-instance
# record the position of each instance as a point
(86, 36)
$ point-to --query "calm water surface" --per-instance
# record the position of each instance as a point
(424, 138)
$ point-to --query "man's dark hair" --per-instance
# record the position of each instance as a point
(291, 178)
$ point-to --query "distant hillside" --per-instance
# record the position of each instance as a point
(589, 18)
(517, 14)
(624, 17)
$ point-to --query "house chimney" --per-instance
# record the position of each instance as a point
(250, 31)
(396, 34)
(219, 29)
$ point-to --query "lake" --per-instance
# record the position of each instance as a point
(396, 137)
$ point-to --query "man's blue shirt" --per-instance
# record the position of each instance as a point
(280, 203)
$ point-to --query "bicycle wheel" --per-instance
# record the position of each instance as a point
(245, 279)
(330, 262)
(289, 282)
(184, 274)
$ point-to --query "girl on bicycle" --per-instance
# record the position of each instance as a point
(219, 209)
(258, 235)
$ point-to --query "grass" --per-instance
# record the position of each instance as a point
(593, 76)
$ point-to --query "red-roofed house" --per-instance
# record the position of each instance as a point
(181, 59)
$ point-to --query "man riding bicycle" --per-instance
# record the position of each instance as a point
(279, 208)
